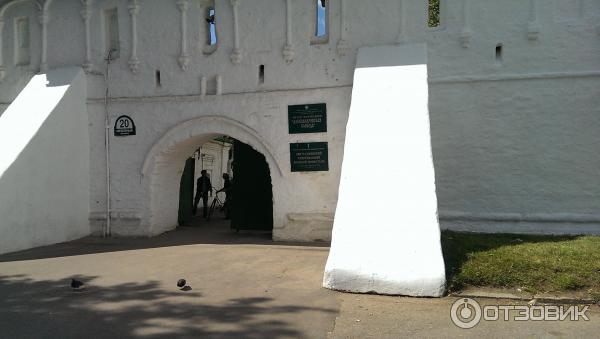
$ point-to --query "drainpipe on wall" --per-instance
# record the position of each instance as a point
(107, 230)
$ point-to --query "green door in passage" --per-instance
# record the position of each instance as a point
(252, 193)
(186, 193)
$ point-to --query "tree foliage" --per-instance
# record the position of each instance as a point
(433, 19)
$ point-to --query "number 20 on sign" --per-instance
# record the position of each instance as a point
(124, 126)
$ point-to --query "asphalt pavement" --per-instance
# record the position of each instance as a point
(240, 285)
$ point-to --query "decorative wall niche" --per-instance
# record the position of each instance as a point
(22, 41)
(111, 33)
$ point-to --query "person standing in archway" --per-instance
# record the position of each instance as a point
(227, 189)
(203, 187)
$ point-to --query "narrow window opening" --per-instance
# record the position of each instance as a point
(111, 37)
(157, 78)
(22, 41)
(433, 19)
(261, 74)
(321, 22)
(499, 56)
(211, 28)
(211, 86)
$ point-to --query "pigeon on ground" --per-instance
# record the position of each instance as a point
(180, 283)
(76, 284)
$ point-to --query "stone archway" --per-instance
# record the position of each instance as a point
(164, 163)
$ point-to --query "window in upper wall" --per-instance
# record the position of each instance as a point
(261, 74)
(211, 28)
(22, 41)
(499, 55)
(157, 78)
(111, 33)
(321, 22)
(434, 18)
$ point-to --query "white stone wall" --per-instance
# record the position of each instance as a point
(513, 143)
(401, 252)
(306, 194)
(44, 163)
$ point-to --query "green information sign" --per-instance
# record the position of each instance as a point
(307, 118)
(309, 157)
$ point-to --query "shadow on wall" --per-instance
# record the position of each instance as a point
(390, 56)
(61, 77)
(44, 163)
(50, 308)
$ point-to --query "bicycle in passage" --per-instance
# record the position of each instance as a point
(217, 204)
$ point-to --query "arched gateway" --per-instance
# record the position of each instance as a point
(163, 165)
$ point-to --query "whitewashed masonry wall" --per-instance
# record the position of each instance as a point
(513, 135)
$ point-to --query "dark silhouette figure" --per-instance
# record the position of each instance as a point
(227, 188)
(203, 186)
(181, 283)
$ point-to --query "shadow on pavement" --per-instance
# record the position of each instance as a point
(215, 232)
(51, 309)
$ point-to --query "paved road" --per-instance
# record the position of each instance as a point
(370, 316)
(242, 286)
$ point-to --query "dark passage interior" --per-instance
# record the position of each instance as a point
(252, 205)
(186, 192)
(249, 199)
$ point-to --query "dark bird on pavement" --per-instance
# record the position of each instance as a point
(180, 283)
(76, 283)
